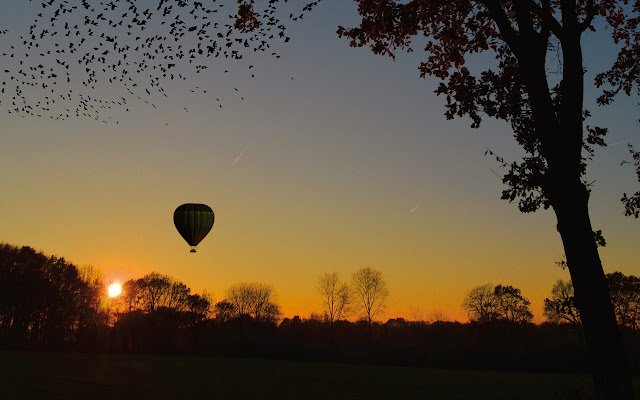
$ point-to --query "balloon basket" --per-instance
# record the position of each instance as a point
(192, 251)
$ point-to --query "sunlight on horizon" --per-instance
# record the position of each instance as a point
(114, 290)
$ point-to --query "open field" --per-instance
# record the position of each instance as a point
(87, 376)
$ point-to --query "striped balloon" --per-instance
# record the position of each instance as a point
(193, 222)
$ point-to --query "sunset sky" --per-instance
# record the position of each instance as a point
(336, 159)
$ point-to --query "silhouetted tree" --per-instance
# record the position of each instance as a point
(480, 304)
(158, 314)
(370, 292)
(255, 300)
(199, 305)
(546, 114)
(489, 304)
(625, 295)
(512, 305)
(44, 300)
(561, 306)
(545, 111)
(155, 291)
(336, 298)
(94, 312)
(224, 311)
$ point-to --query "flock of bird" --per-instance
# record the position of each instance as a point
(75, 52)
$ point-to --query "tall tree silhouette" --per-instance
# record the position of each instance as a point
(546, 114)
(336, 297)
(370, 291)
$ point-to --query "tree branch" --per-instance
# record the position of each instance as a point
(546, 15)
(500, 17)
(592, 10)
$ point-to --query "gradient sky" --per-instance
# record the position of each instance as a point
(333, 161)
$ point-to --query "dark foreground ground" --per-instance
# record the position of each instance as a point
(115, 377)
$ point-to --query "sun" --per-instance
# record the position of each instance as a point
(114, 290)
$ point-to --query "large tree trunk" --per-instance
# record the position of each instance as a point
(605, 346)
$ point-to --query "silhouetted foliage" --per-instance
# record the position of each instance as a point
(489, 304)
(632, 202)
(155, 291)
(561, 306)
(157, 313)
(224, 311)
(545, 111)
(47, 303)
(532, 77)
(44, 300)
(625, 296)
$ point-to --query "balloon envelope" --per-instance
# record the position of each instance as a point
(193, 222)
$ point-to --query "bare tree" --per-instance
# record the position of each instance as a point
(480, 304)
(336, 297)
(254, 299)
(437, 315)
(416, 314)
(94, 310)
(370, 292)
(91, 275)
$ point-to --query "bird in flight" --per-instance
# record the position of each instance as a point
(61, 64)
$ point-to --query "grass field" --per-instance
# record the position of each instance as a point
(115, 377)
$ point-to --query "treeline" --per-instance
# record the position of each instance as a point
(490, 304)
(48, 303)
(625, 298)
(45, 302)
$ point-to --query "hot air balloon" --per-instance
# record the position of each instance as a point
(193, 222)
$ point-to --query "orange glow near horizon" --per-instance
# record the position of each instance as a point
(114, 290)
